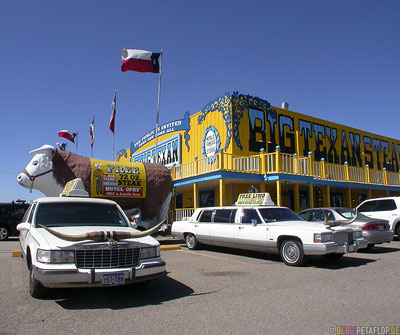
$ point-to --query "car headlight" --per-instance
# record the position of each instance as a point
(322, 237)
(149, 252)
(55, 256)
(357, 233)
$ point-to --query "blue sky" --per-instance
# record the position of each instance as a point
(60, 63)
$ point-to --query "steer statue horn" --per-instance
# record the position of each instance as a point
(352, 220)
(103, 236)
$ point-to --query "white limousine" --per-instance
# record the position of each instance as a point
(255, 223)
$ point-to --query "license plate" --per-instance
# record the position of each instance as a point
(381, 228)
(112, 279)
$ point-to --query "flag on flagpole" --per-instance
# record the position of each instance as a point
(69, 135)
(140, 61)
(91, 132)
(62, 146)
(113, 112)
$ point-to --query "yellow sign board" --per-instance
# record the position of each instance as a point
(120, 180)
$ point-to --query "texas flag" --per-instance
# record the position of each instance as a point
(70, 136)
(140, 61)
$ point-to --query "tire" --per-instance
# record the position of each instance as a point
(370, 246)
(292, 253)
(191, 242)
(36, 289)
(333, 257)
(398, 231)
(4, 233)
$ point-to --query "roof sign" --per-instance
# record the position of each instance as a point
(74, 188)
(255, 199)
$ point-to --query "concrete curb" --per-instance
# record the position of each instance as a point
(170, 247)
(16, 253)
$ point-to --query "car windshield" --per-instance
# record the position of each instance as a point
(278, 214)
(79, 214)
(348, 213)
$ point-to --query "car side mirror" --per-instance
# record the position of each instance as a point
(23, 226)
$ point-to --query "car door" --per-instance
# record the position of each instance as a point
(380, 209)
(25, 234)
(201, 227)
(222, 227)
(251, 232)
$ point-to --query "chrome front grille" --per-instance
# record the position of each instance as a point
(342, 237)
(113, 257)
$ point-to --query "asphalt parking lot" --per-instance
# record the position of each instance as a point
(216, 291)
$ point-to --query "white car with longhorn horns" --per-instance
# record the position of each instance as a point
(74, 241)
(255, 223)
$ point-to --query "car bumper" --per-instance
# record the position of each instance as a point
(377, 237)
(75, 277)
(334, 248)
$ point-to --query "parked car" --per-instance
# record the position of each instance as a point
(387, 208)
(375, 231)
(11, 213)
(262, 226)
(85, 242)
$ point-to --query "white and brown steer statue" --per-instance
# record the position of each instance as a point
(50, 169)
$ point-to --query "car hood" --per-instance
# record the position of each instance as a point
(46, 240)
(319, 225)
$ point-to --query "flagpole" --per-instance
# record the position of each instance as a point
(158, 102)
(114, 116)
(92, 139)
(76, 148)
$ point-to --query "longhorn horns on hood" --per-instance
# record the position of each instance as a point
(341, 222)
(102, 236)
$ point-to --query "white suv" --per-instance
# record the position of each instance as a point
(387, 208)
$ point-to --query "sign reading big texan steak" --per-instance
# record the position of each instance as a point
(114, 179)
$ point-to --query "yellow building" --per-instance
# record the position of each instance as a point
(240, 143)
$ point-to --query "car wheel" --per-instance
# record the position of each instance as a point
(191, 242)
(292, 253)
(4, 233)
(398, 231)
(36, 289)
(333, 257)
(370, 246)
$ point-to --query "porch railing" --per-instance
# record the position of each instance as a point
(278, 162)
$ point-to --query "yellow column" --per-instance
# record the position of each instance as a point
(222, 192)
(367, 174)
(385, 178)
(323, 168)
(262, 161)
(195, 198)
(278, 158)
(278, 193)
(311, 195)
(310, 169)
(346, 171)
(297, 142)
(296, 198)
(347, 198)
(262, 187)
(326, 198)
(369, 194)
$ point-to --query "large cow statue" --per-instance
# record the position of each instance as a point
(50, 169)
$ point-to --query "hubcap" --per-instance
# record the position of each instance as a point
(291, 252)
(190, 241)
(3, 233)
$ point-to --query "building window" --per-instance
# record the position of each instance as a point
(207, 198)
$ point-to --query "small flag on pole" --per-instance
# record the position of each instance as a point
(91, 132)
(140, 61)
(113, 112)
(69, 135)
(62, 146)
